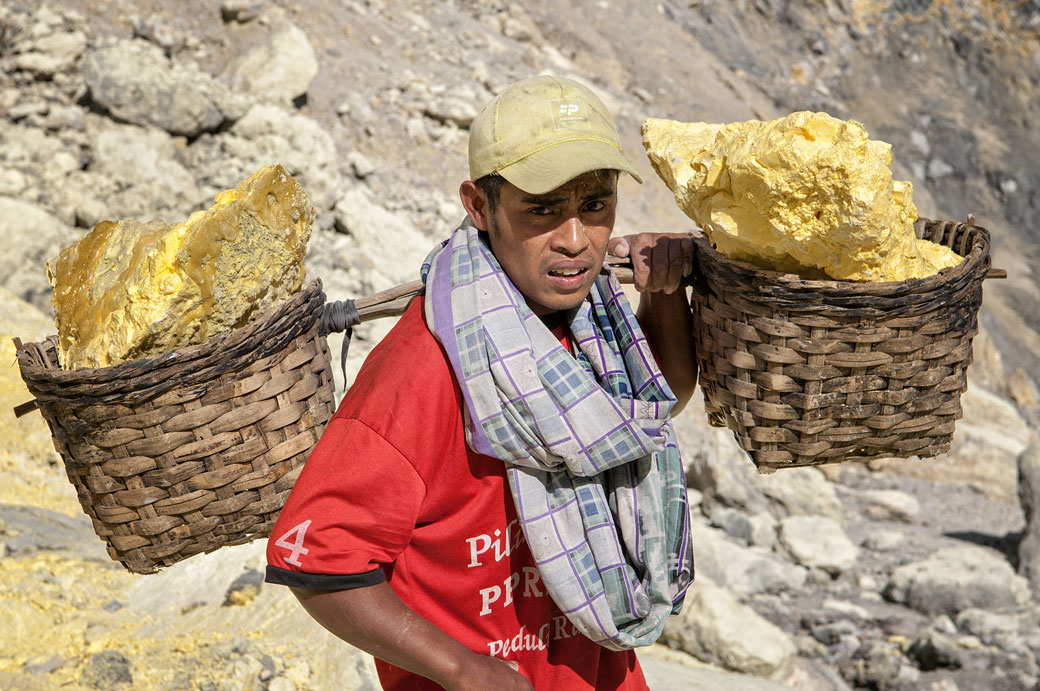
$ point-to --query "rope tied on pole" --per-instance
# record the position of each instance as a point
(341, 315)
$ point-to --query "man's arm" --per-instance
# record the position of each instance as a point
(374, 619)
(659, 263)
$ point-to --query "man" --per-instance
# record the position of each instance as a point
(498, 502)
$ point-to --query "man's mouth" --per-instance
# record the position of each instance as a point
(568, 279)
(567, 272)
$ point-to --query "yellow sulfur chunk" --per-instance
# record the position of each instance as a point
(127, 290)
(807, 194)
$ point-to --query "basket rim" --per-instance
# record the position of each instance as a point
(977, 255)
(309, 299)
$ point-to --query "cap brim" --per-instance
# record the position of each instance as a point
(545, 170)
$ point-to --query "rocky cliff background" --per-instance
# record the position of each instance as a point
(905, 574)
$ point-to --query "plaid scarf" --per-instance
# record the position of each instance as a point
(586, 437)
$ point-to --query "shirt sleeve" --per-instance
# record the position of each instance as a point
(351, 511)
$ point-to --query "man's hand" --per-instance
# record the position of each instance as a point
(481, 672)
(659, 260)
(375, 620)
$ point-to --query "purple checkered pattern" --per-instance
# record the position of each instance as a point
(581, 432)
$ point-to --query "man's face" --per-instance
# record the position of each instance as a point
(552, 245)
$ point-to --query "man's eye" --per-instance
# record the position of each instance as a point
(595, 206)
(540, 210)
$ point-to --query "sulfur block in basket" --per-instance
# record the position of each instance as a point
(127, 289)
(807, 194)
(196, 448)
(805, 372)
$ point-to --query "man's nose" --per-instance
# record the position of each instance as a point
(570, 236)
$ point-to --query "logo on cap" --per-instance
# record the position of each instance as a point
(570, 114)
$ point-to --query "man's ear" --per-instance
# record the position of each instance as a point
(475, 202)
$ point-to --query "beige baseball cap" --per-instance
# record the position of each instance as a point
(541, 132)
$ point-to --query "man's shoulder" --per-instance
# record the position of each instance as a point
(405, 391)
(409, 360)
(409, 344)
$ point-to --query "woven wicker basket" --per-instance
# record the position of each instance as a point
(810, 372)
(197, 448)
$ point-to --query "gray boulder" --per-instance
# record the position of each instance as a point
(707, 552)
(755, 529)
(30, 530)
(933, 650)
(156, 29)
(143, 164)
(734, 522)
(240, 10)
(879, 665)
(884, 540)
(360, 215)
(667, 670)
(1029, 498)
(267, 133)
(34, 163)
(50, 53)
(108, 670)
(451, 108)
(135, 82)
(956, 578)
(801, 492)
(818, 542)
(716, 628)
(274, 60)
(33, 236)
(987, 626)
(890, 505)
(763, 530)
(812, 675)
(751, 570)
(12, 182)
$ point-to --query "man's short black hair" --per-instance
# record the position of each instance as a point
(490, 185)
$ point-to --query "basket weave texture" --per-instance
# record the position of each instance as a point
(806, 372)
(193, 449)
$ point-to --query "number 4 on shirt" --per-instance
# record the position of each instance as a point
(295, 546)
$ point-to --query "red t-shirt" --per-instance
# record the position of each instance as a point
(392, 490)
